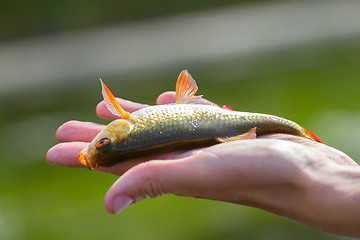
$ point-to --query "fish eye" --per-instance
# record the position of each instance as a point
(103, 144)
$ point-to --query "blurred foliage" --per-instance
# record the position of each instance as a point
(24, 18)
(39, 201)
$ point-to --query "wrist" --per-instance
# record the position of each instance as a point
(332, 200)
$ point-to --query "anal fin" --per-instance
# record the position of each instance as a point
(251, 134)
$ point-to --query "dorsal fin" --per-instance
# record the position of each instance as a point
(186, 88)
(111, 103)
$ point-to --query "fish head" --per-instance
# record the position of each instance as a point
(102, 149)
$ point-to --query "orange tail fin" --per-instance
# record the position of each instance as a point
(311, 135)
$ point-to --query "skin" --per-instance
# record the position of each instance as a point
(303, 180)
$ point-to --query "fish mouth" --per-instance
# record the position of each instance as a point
(84, 160)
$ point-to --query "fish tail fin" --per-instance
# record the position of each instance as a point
(311, 135)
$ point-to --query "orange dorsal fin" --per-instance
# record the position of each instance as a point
(111, 103)
(186, 88)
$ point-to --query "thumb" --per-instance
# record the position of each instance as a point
(149, 179)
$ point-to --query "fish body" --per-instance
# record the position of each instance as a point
(175, 122)
(183, 125)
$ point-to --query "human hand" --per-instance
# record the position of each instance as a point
(287, 175)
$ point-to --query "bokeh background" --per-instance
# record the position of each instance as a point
(296, 59)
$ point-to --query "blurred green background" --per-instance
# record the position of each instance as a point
(299, 60)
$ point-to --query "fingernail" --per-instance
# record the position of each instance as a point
(120, 203)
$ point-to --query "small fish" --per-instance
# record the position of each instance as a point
(186, 124)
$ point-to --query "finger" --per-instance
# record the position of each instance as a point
(169, 97)
(166, 98)
(78, 131)
(103, 112)
(65, 154)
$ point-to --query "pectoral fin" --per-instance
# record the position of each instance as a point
(111, 103)
(251, 134)
(186, 88)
